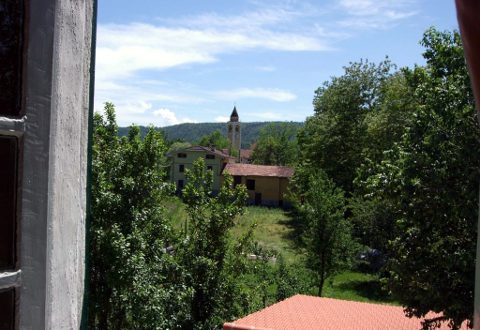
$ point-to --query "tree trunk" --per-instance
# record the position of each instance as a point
(320, 284)
(322, 275)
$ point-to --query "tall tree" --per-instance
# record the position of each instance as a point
(206, 252)
(373, 216)
(334, 137)
(327, 235)
(276, 145)
(431, 177)
(214, 140)
(130, 275)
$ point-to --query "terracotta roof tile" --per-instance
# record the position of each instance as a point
(201, 149)
(302, 312)
(259, 170)
(206, 149)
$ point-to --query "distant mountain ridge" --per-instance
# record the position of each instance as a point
(191, 132)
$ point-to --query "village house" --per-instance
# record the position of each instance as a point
(182, 159)
(266, 185)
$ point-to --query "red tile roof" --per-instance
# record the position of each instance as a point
(314, 313)
(202, 149)
(209, 150)
(259, 170)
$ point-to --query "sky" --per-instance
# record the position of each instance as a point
(170, 62)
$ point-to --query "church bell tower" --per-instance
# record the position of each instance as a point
(234, 132)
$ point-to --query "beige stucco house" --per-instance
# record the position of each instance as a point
(266, 185)
(215, 160)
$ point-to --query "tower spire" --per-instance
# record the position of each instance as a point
(234, 116)
(234, 132)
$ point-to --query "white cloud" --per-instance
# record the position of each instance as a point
(222, 119)
(371, 14)
(126, 48)
(167, 117)
(271, 94)
(125, 52)
(268, 115)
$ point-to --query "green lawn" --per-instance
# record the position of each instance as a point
(357, 286)
(272, 231)
(275, 231)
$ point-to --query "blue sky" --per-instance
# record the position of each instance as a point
(168, 62)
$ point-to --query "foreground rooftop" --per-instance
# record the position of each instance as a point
(302, 312)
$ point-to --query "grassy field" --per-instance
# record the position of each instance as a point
(272, 231)
(357, 286)
(275, 231)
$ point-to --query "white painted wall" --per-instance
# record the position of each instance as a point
(54, 131)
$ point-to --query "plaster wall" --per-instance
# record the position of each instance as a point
(234, 134)
(192, 156)
(68, 163)
(54, 132)
(273, 189)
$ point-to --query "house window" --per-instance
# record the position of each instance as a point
(210, 156)
(229, 128)
(250, 184)
(181, 168)
(8, 189)
(180, 185)
(237, 179)
(182, 155)
(209, 168)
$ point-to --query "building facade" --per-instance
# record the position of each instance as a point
(266, 185)
(181, 160)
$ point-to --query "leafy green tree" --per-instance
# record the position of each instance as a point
(177, 145)
(214, 140)
(327, 235)
(373, 217)
(386, 124)
(334, 137)
(134, 283)
(206, 251)
(286, 282)
(373, 221)
(276, 145)
(431, 179)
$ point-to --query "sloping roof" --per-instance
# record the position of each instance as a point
(302, 312)
(202, 149)
(259, 170)
(234, 115)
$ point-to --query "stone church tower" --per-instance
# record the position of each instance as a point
(234, 131)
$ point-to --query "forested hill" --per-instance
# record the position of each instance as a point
(193, 132)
